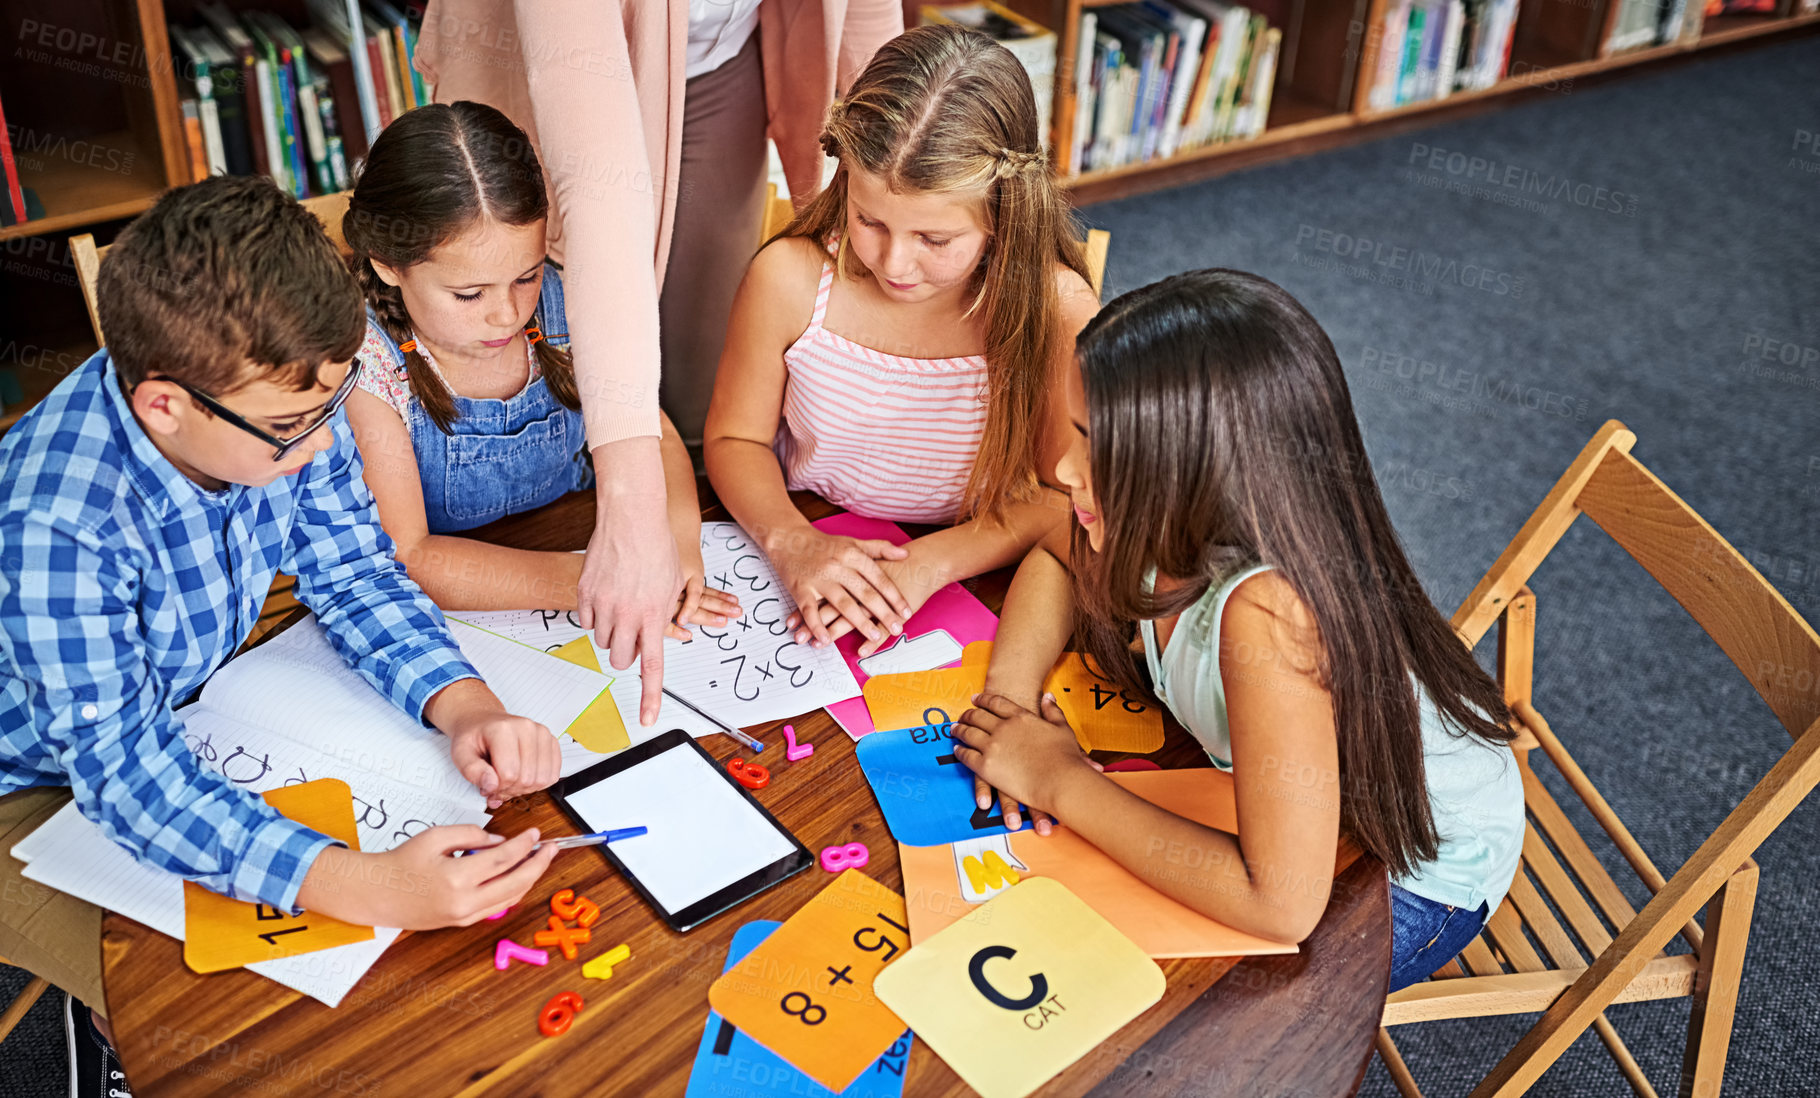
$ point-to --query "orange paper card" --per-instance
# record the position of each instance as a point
(945, 883)
(1102, 719)
(220, 932)
(806, 992)
(600, 728)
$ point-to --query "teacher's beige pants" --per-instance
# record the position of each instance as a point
(721, 197)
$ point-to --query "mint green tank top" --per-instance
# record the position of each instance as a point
(1474, 789)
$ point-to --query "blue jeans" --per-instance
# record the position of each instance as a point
(1426, 934)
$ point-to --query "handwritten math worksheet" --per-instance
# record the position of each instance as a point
(746, 673)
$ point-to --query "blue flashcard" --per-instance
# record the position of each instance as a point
(925, 793)
(730, 1064)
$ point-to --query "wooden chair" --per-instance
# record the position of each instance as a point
(779, 211)
(1581, 967)
(328, 209)
(22, 1002)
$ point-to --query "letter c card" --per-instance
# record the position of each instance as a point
(1024, 985)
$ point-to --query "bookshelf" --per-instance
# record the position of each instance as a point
(91, 96)
(1329, 58)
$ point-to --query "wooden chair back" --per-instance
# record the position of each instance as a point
(22, 1002)
(1778, 653)
(779, 211)
(1768, 641)
(328, 209)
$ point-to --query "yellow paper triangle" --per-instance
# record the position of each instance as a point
(600, 728)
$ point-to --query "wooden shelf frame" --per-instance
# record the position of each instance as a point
(1299, 124)
(78, 195)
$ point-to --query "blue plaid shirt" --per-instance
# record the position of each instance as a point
(123, 585)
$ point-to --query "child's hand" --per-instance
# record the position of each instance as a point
(504, 756)
(699, 604)
(915, 581)
(1024, 754)
(432, 889)
(845, 574)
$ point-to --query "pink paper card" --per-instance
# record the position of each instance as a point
(952, 611)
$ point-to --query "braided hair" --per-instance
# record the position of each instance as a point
(432, 173)
(945, 109)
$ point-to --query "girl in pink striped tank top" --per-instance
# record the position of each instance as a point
(895, 349)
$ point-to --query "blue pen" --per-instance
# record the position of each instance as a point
(567, 841)
(595, 839)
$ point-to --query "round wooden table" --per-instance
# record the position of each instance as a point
(434, 1018)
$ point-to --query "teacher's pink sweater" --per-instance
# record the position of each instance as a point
(598, 85)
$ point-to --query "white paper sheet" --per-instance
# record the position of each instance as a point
(748, 673)
(291, 711)
(71, 855)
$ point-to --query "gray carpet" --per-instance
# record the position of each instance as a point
(1645, 290)
(1486, 335)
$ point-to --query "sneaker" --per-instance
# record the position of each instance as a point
(94, 1070)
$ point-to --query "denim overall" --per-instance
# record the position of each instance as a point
(501, 457)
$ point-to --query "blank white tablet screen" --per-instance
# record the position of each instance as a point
(703, 835)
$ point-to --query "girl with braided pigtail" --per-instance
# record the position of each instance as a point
(467, 410)
(898, 347)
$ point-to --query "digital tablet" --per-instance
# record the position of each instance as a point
(710, 844)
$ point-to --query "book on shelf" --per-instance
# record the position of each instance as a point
(1160, 77)
(1633, 29)
(271, 98)
(239, 45)
(272, 36)
(1084, 93)
(196, 87)
(1193, 32)
(1429, 49)
(379, 44)
(196, 153)
(12, 195)
(362, 80)
(1146, 45)
(401, 40)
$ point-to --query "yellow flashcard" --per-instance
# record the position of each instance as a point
(600, 728)
(1025, 985)
(220, 932)
(1103, 719)
(806, 992)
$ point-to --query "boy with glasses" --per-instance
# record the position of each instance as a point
(145, 506)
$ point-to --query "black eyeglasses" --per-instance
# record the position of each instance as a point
(283, 445)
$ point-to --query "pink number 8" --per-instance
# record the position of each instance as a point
(851, 856)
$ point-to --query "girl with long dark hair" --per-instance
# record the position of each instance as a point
(1226, 514)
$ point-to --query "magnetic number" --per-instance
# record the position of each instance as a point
(554, 1019)
(851, 856)
(821, 1014)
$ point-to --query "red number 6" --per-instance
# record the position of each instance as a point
(554, 1019)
